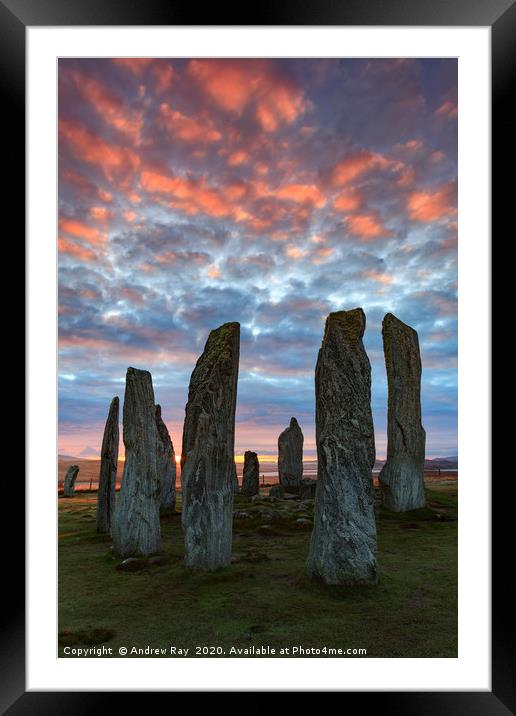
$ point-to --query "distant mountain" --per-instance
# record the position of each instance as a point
(442, 463)
(436, 463)
(68, 458)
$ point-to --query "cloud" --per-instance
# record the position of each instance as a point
(249, 191)
(234, 85)
(433, 204)
(189, 129)
(115, 161)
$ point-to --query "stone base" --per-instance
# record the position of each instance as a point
(402, 486)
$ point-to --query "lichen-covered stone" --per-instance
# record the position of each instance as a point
(290, 455)
(401, 478)
(136, 527)
(69, 481)
(207, 461)
(251, 474)
(343, 542)
(166, 464)
(108, 469)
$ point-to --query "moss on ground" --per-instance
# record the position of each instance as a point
(264, 597)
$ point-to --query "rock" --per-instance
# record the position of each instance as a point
(108, 469)
(69, 481)
(343, 542)
(307, 489)
(207, 462)
(270, 515)
(166, 464)
(136, 528)
(157, 561)
(291, 496)
(241, 515)
(132, 564)
(251, 474)
(277, 491)
(290, 455)
(265, 530)
(303, 523)
(401, 478)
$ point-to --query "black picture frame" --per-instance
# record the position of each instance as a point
(500, 16)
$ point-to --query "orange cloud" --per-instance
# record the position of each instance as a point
(366, 226)
(130, 216)
(213, 272)
(237, 158)
(426, 206)
(135, 65)
(100, 213)
(76, 250)
(379, 277)
(82, 231)
(321, 254)
(108, 105)
(447, 109)
(356, 164)
(188, 129)
(113, 160)
(302, 193)
(234, 84)
(163, 75)
(347, 201)
(294, 252)
(192, 196)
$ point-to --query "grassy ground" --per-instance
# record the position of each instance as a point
(264, 598)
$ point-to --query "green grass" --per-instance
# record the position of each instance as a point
(264, 597)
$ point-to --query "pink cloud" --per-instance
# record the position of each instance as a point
(366, 227)
(112, 159)
(108, 105)
(235, 84)
(82, 231)
(189, 129)
(427, 206)
(74, 249)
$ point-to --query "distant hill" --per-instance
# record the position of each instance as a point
(436, 463)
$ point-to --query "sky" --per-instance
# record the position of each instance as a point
(193, 192)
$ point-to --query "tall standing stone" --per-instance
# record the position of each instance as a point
(136, 528)
(401, 478)
(108, 469)
(290, 455)
(343, 543)
(166, 464)
(251, 475)
(69, 481)
(207, 461)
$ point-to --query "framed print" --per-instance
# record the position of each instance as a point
(258, 302)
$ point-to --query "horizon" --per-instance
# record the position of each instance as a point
(270, 192)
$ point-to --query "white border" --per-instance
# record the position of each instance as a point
(471, 670)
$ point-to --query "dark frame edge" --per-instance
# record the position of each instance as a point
(502, 700)
(12, 89)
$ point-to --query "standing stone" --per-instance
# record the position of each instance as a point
(136, 528)
(235, 479)
(401, 478)
(69, 481)
(251, 476)
(343, 544)
(166, 465)
(108, 469)
(207, 461)
(290, 455)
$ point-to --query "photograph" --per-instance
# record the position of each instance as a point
(257, 357)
